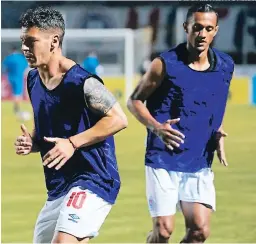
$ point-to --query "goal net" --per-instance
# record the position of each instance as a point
(120, 51)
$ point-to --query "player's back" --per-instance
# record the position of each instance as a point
(62, 112)
(15, 64)
(198, 99)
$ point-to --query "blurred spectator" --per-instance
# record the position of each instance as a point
(245, 25)
(170, 28)
(132, 21)
(252, 23)
(154, 23)
(239, 31)
(92, 64)
(14, 65)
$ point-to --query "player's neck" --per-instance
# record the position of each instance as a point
(198, 60)
(57, 66)
(51, 69)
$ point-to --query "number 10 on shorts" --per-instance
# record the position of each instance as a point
(77, 199)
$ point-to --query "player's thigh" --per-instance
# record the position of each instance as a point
(162, 191)
(82, 214)
(62, 237)
(46, 221)
(197, 215)
(198, 187)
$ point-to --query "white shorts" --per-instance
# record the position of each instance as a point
(79, 213)
(166, 189)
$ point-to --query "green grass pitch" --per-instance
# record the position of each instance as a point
(23, 189)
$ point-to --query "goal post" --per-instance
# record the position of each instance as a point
(122, 50)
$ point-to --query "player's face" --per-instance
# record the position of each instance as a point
(201, 29)
(36, 46)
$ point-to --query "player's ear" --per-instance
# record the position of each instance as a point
(55, 42)
(216, 30)
(185, 26)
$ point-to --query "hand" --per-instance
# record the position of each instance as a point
(171, 137)
(220, 135)
(24, 143)
(58, 155)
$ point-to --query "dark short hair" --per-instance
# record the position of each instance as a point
(43, 18)
(203, 8)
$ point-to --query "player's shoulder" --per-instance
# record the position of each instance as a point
(32, 74)
(76, 74)
(172, 56)
(224, 58)
(85, 75)
(81, 71)
(76, 71)
(31, 79)
(171, 53)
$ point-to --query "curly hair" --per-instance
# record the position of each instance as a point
(43, 18)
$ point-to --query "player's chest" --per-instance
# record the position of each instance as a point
(194, 83)
(64, 99)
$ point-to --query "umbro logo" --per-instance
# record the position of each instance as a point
(73, 217)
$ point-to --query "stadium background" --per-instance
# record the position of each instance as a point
(23, 190)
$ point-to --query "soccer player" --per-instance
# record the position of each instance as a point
(15, 65)
(185, 90)
(75, 119)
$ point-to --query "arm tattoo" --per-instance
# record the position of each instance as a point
(97, 97)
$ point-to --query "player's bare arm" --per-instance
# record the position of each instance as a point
(220, 135)
(97, 97)
(148, 84)
(100, 101)
(25, 144)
